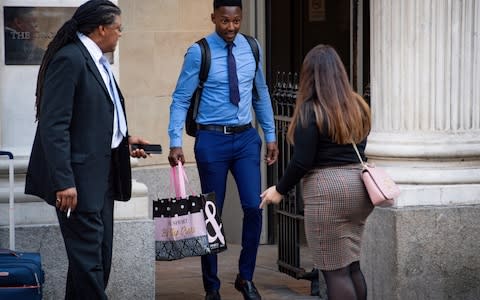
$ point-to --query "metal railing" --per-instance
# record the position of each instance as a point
(290, 210)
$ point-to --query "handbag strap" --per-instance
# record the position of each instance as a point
(358, 154)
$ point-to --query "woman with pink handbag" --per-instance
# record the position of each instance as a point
(328, 116)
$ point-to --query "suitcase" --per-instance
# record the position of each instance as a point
(21, 274)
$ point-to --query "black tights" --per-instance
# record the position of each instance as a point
(346, 283)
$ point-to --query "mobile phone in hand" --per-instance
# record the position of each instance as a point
(149, 149)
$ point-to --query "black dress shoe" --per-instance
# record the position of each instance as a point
(213, 295)
(247, 288)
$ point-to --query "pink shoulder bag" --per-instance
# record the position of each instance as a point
(380, 187)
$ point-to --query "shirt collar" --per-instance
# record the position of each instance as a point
(91, 46)
(218, 39)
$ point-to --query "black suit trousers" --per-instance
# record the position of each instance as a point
(88, 238)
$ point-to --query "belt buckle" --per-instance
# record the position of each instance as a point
(225, 131)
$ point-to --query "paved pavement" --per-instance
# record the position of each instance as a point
(182, 279)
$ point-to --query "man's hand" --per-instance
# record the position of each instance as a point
(272, 153)
(67, 199)
(137, 152)
(175, 155)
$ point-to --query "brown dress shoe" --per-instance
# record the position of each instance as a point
(247, 288)
(213, 295)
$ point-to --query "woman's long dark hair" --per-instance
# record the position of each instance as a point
(86, 18)
(325, 90)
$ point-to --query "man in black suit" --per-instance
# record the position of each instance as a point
(80, 160)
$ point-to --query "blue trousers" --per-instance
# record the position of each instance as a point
(216, 154)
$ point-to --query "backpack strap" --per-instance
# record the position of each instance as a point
(203, 74)
(256, 54)
(206, 58)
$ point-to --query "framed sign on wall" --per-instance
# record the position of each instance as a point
(29, 30)
(316, 10)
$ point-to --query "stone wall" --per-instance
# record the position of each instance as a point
(155, 38)
(422, 253)
(133, 263)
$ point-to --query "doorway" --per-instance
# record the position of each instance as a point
(293, 28)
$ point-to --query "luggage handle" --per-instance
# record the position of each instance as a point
(11, 204)
(9, 154)
(8, 252)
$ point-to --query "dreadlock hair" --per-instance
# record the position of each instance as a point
(86, 19)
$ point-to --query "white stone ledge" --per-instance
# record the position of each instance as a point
(20, 164)
(19, 192)
(446, 195)
(424, 145)
(416, 174)
(40, 213)
(20, 169)
(137, 208)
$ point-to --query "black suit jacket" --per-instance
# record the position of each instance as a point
(72, 146)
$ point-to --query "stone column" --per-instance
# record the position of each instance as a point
(426, 133)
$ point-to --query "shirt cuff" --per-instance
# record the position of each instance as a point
(270, 138)
(175, 142)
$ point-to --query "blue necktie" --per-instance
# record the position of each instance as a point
(121, 125)
(232, 76)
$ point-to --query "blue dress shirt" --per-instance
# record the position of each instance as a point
(215, 106)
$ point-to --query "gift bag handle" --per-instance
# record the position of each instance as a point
(178, 179)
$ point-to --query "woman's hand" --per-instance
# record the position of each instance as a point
(270, 195)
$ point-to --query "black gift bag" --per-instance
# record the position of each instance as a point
(213, 222)
(186, 226)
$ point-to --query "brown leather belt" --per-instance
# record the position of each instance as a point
(225, 129)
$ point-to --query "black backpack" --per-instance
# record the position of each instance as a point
(190, 124)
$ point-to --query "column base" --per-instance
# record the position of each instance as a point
(426, 158)
(422, 252)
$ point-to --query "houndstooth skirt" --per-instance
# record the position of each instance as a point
(336, 207)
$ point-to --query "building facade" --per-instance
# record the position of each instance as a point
(419, 59)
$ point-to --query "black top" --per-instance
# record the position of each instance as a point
(312, 150)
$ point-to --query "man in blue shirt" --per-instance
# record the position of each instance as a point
(226, 140)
